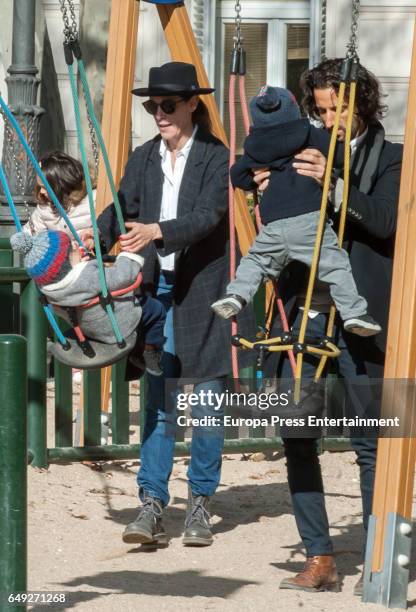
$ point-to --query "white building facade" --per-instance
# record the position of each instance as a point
(281, 37)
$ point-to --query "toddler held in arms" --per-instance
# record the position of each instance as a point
(290, 208)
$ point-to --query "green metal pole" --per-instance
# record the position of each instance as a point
(142, 404)
(119, 404)
(131, 451)
(13, 470)
(92, 407)
(7, 298)
(63, 404)
(33, 326)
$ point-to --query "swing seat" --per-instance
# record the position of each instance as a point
(289, 342)
(100, 355)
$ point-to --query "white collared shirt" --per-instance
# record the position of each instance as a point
(354, 144)
(171, 186)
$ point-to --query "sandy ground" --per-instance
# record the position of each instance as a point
(77, 515)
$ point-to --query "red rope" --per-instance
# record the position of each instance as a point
(79, 334)
(280, 306)
(116, 293)
(243, 103)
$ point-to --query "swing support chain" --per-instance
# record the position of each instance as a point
(238, 54)
(352, 44)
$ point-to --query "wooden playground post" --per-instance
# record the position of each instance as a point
(116, 120)
(388, 543)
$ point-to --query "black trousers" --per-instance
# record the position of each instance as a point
(304, 471)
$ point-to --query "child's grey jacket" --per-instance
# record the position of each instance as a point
(82, 284)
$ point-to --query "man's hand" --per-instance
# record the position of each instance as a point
(315, 164)
(261, 178)
(139, 235)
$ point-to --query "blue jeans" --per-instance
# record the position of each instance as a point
(304, 471)
(158, 443)
(153, 321)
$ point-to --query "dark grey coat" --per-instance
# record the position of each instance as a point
(199, 237)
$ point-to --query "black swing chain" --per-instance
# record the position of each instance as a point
(238, 39)
(352, 44)
(71, 35)
(238, 55)
(70, 31)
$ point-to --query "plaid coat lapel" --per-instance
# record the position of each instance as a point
(151, 198)
(191, 182)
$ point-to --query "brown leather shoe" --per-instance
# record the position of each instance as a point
(319, 574)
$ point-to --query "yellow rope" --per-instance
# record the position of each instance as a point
(318, 242)
(330, 350)
(343, 212)
(273, 346)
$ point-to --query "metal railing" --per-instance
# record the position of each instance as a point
(22, 313)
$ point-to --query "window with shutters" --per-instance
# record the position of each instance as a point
(255, 44)
(297, 56)
(276, 41)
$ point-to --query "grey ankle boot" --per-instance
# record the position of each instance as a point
(148, 527)
(197, 527)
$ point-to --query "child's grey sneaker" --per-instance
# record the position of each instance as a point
(152, 361)
(228, 306)
(362, 326)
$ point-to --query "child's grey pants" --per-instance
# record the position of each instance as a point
(284, 240)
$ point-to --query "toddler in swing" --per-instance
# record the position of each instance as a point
(290, 209)
(55, 266)
(65, 175)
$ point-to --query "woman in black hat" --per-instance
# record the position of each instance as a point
(174, 195)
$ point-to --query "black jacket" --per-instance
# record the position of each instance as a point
(289, 194)
(199, 237)
(369, 240)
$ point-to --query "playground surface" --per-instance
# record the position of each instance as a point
(77, 514)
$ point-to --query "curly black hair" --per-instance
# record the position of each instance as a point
(368, 102)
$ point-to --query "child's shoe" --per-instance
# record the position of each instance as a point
(228, 306)
(152, 361)
(362, 326)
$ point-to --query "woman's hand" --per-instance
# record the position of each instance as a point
(315, 164)
(139, 235)
(261, 178)
(87, 238)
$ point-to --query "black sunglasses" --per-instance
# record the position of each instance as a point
(168, 106)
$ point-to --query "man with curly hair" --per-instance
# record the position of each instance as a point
(369, 240)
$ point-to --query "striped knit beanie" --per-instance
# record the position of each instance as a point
(46, 255)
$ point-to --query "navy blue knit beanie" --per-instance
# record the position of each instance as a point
(272, 106)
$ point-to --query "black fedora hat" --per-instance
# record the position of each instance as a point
(174, 78)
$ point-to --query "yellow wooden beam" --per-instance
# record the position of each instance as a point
(116, 120)
(396, 456)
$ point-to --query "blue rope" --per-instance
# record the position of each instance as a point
(103, 284)
(46, 307)
(38, 170)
